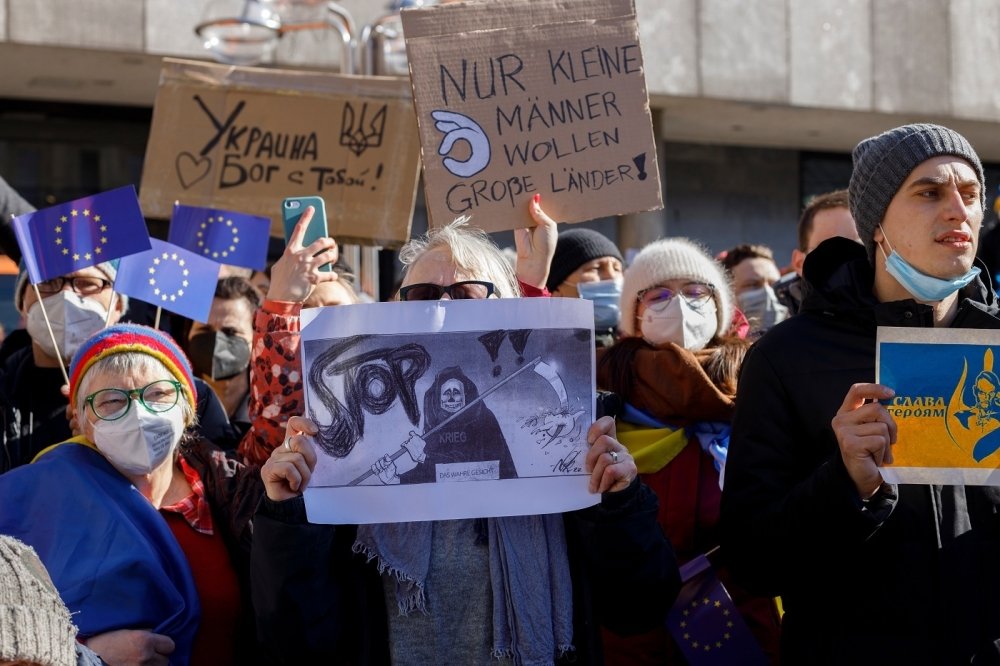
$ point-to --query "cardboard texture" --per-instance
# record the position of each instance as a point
(518, 97)
(242, 139)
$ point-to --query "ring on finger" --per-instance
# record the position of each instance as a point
(288, 443)
(614, 457)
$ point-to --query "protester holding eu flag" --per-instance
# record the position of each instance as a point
(154, 576)
(868, 572)
(65, 293)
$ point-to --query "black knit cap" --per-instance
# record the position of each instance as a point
(575, 248)
(882, 163)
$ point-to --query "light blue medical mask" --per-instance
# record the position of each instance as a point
(924, 288)
(606, 296)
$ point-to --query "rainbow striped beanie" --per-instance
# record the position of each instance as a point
(122, 338)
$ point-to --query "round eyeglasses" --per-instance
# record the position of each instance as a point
(694, 294)
(111, 404)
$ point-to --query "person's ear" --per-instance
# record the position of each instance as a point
(878, 236)
(798, 259)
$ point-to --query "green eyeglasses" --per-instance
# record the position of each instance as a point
(112, 404)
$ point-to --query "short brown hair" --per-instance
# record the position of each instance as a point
(233, 287)
(835, 199)
(745, 251)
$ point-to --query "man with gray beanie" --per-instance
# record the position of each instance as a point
(868, 572)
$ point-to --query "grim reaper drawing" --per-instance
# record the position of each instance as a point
(472, 435)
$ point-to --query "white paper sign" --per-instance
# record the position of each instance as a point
(439, 410)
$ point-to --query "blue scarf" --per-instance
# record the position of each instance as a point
(111, 555)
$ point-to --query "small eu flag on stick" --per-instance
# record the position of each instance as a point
(171, 278)
(705, 623)
(84, 232)
(224, 236)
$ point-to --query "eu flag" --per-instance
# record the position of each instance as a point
(232, 238)
(705, 623)
(171, 278)
(84, 232)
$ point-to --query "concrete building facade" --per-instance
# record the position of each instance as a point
(757, 103)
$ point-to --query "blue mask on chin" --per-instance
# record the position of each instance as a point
(606, 295)
(924, 288)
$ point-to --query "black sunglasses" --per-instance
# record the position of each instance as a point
(468, 289)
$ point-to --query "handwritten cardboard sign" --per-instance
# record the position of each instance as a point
(517, 97)
(946, 404)
(242, 139)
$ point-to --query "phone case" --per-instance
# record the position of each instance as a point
(292, 209)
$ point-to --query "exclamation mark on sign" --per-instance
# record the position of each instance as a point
(378, 174)
(640, 162)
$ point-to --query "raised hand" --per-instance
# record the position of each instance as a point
(296, 272)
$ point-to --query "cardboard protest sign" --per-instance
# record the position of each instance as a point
(242, 139)
(947, 404)
(438, 410)
(517, 97)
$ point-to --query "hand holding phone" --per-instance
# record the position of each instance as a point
(292, 209)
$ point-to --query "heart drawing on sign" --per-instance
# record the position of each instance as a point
(191, 169)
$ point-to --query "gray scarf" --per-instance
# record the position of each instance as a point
(529, 574)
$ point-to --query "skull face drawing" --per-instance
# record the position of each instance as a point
(452, 396)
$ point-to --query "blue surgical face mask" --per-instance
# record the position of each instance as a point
(924, 288)
(606, 296)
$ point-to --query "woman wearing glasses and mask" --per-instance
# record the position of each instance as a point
(676, 367)
(144, 527)
(418, 593)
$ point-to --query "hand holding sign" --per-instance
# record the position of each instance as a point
(865, 432)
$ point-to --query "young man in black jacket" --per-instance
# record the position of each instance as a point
(868, 572)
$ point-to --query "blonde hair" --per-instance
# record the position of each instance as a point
(472, 251)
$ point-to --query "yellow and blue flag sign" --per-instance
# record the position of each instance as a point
(946, 404)
(170, 277)
(224, 236)
(84, 232)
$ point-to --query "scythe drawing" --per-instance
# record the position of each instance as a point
(544, 370)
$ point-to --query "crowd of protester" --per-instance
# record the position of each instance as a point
(151, 507)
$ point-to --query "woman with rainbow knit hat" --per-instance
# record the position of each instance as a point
(159, 575)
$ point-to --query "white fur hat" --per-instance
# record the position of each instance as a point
(674, 259)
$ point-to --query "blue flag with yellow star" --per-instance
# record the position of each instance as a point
(83, 232)
(224, 236)
(170, 277)
(705, 623)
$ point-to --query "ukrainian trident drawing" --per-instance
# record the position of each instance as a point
(973, 416)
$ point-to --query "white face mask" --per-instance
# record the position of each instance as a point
(74, 318)
(140, 441)
(676, 321)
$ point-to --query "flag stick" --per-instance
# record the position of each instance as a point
(48, 325)
(111, 307)
(156, 322)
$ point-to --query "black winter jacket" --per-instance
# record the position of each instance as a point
(910, 577)
(319, 603)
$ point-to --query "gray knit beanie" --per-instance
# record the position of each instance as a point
(35, 625)
(674, 259)
(882, 163)
(576, 247)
